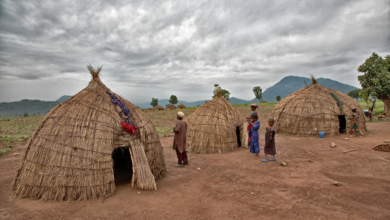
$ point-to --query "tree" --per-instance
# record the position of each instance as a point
(278, 98)
(375, 80)
(355, 93)
(154, 102)
(173, 100)
(258, 93)
(224, 93)
(364, 96)
(25, 114)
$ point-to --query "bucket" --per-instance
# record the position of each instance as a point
(322, 134)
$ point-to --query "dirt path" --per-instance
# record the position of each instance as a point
(237, 186)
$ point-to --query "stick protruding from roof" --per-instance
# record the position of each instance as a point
(94, 73)
(314, 80)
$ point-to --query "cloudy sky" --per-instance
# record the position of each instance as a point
(159, 48)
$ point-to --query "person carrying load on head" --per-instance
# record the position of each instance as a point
(179, 141)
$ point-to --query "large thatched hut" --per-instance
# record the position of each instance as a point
(214, 127)
(71, 156)
(158, 108)
(316, 108)
(171, 107)
(181, 106)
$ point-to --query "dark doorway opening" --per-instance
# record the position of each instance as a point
(238, 133)
(342, 124)
(123, 166)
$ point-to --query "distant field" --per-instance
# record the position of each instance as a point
(18, 130)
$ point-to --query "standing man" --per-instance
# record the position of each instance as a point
(179, 141)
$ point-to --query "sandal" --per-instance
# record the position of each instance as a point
(264, 160)
(178, 165)
(272, 159)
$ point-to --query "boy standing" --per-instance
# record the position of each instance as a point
(179, 141)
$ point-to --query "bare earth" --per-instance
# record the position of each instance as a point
(238, 186)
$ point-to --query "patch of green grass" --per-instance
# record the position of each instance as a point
(6, 150)
(379, 106)
(198, 151)
(170, 146)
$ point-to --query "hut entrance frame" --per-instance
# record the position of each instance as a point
(122, 165)
(342, 124)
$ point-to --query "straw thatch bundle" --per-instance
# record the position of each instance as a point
(212, 127)
(69, 156)
(313, 109)
(171, 107)
(181, 106)
(158, 108)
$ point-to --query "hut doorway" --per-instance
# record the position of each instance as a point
(342, 124)
(122, 165)
(238, 132)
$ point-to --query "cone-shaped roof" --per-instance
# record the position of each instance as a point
(313, 109)
(69, 156)
(212, 127)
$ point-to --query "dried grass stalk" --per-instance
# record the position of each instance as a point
(69, 156)
(313, 109)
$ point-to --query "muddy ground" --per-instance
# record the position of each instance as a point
(236, 185)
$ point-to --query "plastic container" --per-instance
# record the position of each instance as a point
(322, 134)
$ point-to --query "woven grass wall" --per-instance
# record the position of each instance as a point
(212, 127)
(69, 156)
(313, 109)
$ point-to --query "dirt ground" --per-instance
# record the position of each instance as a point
(238, 186)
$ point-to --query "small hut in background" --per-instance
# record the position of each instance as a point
(181, 106)
(71, 154)
(215, 127)
(158, 108)
(316, 108)
(171, 107)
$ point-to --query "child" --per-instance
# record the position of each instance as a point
(255, 126)
(269, 147)
(179, 141)
(253, 109)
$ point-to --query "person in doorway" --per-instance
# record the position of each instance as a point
(255, 126)
(269, 147)
(179, 141)
(355, 122)
(253, 109)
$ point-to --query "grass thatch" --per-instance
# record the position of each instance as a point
(313, 109)
(69, 156)
(158, 107)
(171, 107)
(181, 106)
(212, 127)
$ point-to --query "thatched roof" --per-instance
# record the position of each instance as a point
(181, 106)
(212, 127)
(171, 107)
(158, 107)
(313, 109)
(69, 156)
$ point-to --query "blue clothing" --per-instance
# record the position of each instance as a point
(254, 147)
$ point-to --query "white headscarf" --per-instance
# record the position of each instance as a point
(181, 114)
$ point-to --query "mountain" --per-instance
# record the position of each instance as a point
(290, 84)
(63, 98)
(32, 107)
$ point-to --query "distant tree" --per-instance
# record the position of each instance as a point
(173, 100)
(355, 93)
(364, 96)
(154, 102)
(258, 93)
(205, 102)
(25, 114)
(224, 93)
(278, 98)
(375, 79)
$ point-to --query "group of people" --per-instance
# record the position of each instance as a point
(180, 130)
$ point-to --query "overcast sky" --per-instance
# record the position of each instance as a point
(159, 48)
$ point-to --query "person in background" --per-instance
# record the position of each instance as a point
(269, 147)
(253, 109)
(255, 126)
(179, 141)
(355, 122)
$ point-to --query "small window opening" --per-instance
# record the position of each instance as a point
(122, 165)
(342, 124)
(238, 136)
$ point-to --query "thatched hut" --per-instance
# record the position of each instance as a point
(214, 127)
(316, 108)
(158, 108)
(71, 154)
(181, 106)
(171, 107)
